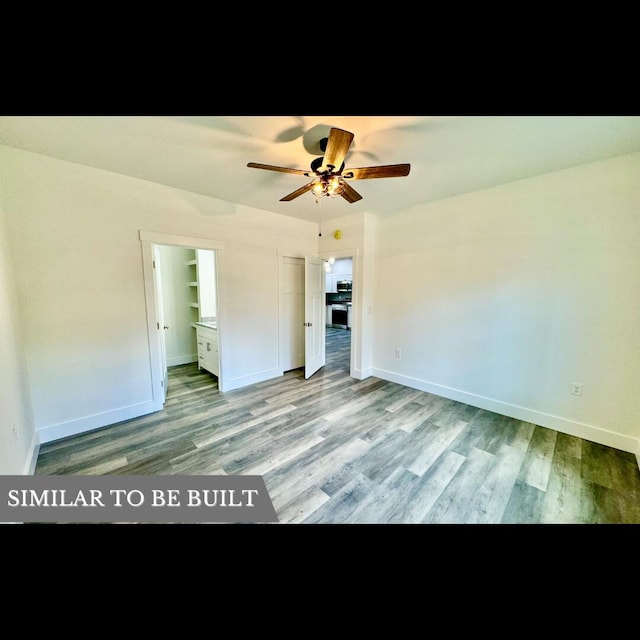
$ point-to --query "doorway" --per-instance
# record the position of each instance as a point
(292, 313)
(339, 310)
(186, 296)
(337, 346)
(183, 298)
(302, 314)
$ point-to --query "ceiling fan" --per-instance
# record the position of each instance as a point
(328, 172)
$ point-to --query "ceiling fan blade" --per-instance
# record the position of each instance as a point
(338, 144)
(297, 192)
(350, 194)
(270, 167)
(386, 171)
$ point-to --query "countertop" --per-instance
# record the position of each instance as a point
(208, 325)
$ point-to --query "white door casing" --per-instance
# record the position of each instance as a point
(314, 316)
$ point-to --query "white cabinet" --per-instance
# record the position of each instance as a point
(208, 349)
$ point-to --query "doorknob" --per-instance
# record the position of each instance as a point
(308, 324)
(165, 326)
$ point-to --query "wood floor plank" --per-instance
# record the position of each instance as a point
(609, 467)
(382, 498)
(412, 415)
(384, 456)
(485, 430)
(524, 506)
(562, 502)
(237, 427)
(358, 404)
(274, 456)
(537, 465)
(340, 507)
(440, 439)
(311, 468)
(109, 465)
(453, 503)
(523, 434)
(604, 505)
(302, 506)
(403, 397)
(225, 453)
(490, 503)
(427, 490)
(568, 445)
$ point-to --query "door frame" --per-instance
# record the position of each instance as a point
(148, 239)
(356, 303)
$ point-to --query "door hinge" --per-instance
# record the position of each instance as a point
(162, 383)
(154, 264)
(158, 325)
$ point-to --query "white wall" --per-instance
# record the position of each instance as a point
(180, 337)
(79, 281)
(18, 450)
(505, 297)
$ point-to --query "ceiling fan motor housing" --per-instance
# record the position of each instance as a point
(316, 163)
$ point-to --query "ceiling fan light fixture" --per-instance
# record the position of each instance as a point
(328, 186)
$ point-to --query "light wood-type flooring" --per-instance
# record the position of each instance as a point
(336, 450)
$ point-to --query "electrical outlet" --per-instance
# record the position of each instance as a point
(576, 389)
(398, 352)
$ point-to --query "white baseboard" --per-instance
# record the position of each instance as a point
(32, 460)
(178, 360)
(362, 374)
(564, 425)
(243, 381)
(88, 423)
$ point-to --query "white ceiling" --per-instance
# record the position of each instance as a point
(449, 155)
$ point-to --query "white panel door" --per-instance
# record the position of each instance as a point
(314, 316)
(292, 301)
(160, 317)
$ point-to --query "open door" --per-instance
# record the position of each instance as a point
(314, 316)
(157, 281)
